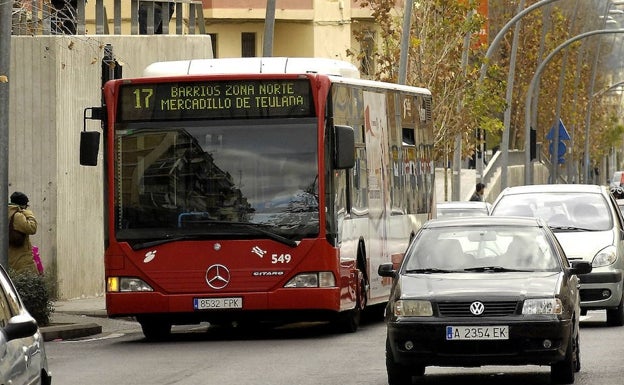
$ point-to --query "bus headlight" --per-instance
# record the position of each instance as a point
(316, 279)
(126, 284)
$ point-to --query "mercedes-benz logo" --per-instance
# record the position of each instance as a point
(217, 276)
(477, 308)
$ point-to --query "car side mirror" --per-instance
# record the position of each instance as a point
(386, 270)
(580, 267)
(20, 326)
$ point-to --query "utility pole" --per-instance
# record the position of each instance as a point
(407, 22)
(269, 26)
(5, 63)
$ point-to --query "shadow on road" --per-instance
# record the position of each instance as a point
(512, 378)
(251, 330)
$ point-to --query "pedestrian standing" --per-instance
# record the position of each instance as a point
(23, 223)
(478, 194)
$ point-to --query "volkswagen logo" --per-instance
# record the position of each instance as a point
(217, 277)
(477, 308)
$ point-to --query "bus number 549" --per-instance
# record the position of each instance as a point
(281, 258)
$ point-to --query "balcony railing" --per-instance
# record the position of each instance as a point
(34, 17)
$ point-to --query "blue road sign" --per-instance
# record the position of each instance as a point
(563, 132)
(561, 149)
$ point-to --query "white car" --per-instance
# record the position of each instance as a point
(589, 225)
(462, 209)
(23, 359)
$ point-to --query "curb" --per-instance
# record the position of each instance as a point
(69, 331)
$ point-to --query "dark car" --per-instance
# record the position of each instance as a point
(589, 225)
(483, 291)
(22, 355)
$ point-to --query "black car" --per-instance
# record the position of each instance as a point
(483, 291)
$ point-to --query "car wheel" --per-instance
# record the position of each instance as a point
(155, 329)
(398, 374)
(615, 317)
(577, 354)
(562, 372)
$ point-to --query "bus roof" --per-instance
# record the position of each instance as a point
(339, 71)
(259, 65)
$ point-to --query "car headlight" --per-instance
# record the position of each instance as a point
(542, 306)
(412, 308)
(605, 257)
(126, 284)
(316, 279)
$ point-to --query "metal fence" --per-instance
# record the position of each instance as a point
(67, 17)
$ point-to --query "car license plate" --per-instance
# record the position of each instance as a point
(218, 303)
(477, 333)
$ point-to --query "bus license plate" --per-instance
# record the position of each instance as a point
(218, 303)
(477, 333)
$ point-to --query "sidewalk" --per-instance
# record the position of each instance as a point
(83, 317)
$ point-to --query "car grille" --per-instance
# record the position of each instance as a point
(492, 309)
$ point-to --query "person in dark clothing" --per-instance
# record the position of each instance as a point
(22, 220)
(159, 8)
(478, 194)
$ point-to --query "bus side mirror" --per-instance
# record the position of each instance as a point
(90, 140)
(89, 147)
(344, 154)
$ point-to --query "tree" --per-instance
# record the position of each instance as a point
(461, 103)
(435, 61)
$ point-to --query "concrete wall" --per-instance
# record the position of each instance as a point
(52, 79)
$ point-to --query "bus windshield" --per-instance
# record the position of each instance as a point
(216, 179)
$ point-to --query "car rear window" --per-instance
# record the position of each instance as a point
(573, 210)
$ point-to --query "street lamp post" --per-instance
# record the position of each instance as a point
(488, 55)
(534, 80)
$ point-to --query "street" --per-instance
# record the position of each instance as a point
(297, 354)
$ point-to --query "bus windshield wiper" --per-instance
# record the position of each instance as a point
(259, 227)
(166, 239)
(251, 226)
(262, 229)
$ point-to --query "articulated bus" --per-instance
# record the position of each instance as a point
(245, 191)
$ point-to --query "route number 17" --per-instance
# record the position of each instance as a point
(142, 97)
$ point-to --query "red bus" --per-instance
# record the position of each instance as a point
(253, 190)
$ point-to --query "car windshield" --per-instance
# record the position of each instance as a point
(481, 248)
(563, 211)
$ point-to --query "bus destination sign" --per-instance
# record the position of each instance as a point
(223, 99)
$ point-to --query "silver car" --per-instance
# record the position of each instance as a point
(456, 209)
(22, 355)
(589, 225)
